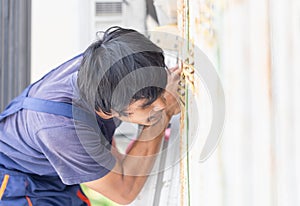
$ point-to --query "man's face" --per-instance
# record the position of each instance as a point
(148, 115)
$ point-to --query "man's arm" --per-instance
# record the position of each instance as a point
(127, 178)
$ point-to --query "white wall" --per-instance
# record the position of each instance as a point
(59, 32)
(257, 161)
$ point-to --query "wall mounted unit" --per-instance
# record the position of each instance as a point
(106, 13)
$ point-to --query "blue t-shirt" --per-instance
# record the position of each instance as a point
(46, 144)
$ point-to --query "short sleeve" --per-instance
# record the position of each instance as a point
(77, 155)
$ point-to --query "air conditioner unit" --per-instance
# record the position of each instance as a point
(124, 13)
(106, 13)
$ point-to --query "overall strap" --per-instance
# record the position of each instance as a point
(15, 105)
(50, 107)
(46, 106)
(62, 109)
(69, 111)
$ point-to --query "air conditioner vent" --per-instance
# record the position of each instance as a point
(108, 8)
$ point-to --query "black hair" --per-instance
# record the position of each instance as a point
(122, 67)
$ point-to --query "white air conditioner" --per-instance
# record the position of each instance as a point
(124, 13)
(106, 13)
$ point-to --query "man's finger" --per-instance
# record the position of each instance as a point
(178, 71)
(173, 69)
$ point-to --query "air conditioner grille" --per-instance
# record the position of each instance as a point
(108, 8)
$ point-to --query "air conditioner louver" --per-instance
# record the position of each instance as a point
(108, 8)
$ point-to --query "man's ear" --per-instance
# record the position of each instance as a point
(105, 116)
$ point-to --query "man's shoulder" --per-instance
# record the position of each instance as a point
(59, 83)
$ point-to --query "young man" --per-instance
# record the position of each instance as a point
(58, 132)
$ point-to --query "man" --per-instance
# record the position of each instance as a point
(57, 134)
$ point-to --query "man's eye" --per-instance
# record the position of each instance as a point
(126, 114)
